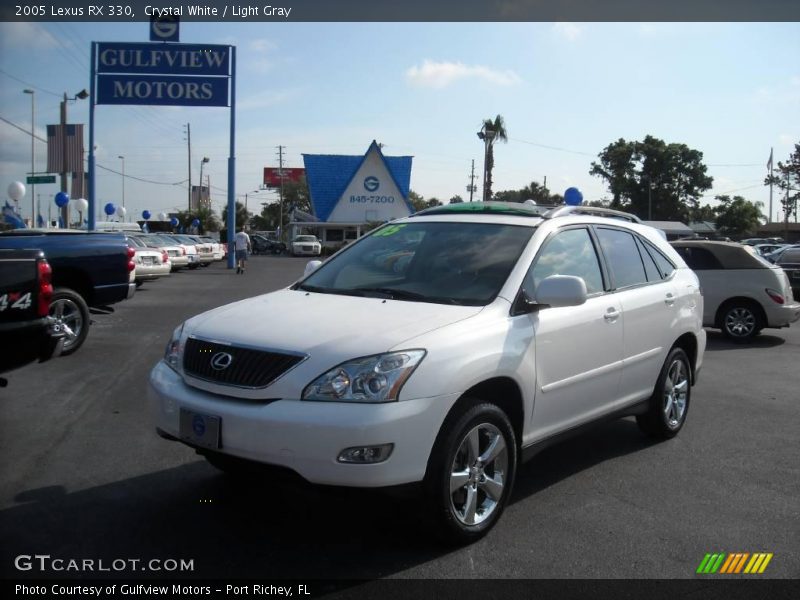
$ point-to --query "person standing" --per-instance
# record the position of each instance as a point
(242, 245)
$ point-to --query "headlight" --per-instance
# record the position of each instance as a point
(174, 352)
(376, 378)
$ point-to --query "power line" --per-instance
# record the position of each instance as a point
(27, 83)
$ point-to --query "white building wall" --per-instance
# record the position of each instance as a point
(371, 196)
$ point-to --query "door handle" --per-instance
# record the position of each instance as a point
(612, 314)
(669, 300)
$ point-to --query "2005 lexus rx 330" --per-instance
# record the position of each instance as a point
(442, 350)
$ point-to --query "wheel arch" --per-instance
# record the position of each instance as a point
(739, 300)
(688, 343)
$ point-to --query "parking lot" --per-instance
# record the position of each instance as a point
(85, 476)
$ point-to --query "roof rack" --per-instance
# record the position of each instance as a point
(492, 207)
(595, 211)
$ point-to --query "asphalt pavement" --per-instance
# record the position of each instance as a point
(85, 476)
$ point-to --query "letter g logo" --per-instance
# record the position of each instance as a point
(371, 183)
(23, 562)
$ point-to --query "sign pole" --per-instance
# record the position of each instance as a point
(232, 165)
(92, 102)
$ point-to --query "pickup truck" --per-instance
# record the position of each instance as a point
(27, 332)
(89, 270)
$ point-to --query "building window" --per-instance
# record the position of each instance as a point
(334, 235)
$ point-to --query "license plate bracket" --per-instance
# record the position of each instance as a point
(200, 429)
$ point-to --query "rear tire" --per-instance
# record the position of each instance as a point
(471, 473)
(741, 321)
(669, 403)
(72, 314)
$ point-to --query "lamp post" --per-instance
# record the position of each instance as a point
(82, 95)
(487, 135)
(122, 158)
(200, 189)
(33, 158)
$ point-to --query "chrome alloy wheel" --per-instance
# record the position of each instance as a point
(69, 319)
(740, 322)
(478, 474)
(676, 393)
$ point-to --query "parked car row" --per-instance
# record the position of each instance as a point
(159, 254)
(743, 292)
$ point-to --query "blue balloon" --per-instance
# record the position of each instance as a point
(110, 209)
(146, 214)
(573, 197)
(196, 223)
(173, 221)
(62, 199)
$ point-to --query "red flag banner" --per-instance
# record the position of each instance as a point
(57, 160)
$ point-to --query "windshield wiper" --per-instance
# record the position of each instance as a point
(395, 294)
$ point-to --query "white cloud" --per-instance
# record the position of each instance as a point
(441, 74)
(569, 31)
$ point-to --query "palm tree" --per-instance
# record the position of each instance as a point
(491, 131)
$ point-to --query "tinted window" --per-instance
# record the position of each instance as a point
(699, 259)
(650, 268)
(792, 255)
(569, 252)
(623, 257)
(664, 264)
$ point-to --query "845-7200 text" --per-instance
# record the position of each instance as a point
(42, 10)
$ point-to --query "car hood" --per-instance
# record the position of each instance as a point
(326, 326)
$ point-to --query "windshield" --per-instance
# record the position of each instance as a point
(448, 263)
(305, 238)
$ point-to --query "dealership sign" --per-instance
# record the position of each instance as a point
(163, 74)
(273, 176)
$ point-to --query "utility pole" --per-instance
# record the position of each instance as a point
(280, 176)
(189, 148)
(471, 186)
(65, 210)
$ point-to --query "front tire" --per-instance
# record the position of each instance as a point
(669, 403)
(471, 473)
(72, 315)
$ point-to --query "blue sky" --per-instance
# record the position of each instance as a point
(566, 90)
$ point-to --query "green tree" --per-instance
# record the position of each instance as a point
(491, 132)
(419, 203)
(456, 199)
(738, 217)
(653, 179)
(788, 182)
(241, 216)
(207, 216)
(295, 195)
(533, 191)
(706, 212)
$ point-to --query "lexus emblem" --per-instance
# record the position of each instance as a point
(221, 361)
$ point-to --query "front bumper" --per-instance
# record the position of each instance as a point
(307, 437)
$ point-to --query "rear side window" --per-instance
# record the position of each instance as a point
(664, 264)
(699, 259)
(790, 256)
(650, 268)
(623, 257)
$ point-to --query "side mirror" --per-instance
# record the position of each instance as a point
(561, 290)
(312, 266)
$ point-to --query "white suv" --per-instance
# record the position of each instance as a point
(442, 349)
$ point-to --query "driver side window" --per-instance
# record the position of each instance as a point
(568, 252)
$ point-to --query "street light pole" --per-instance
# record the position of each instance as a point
(200, 189)
(82, 95)
(122, 158)
(33, 158)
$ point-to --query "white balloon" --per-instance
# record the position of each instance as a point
(121, 212)
(162, 216)
(82, 204)
(16, 190)
(530, 202)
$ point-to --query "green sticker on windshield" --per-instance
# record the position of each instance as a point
(390, 230)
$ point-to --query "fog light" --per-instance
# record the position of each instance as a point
(366, 454)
